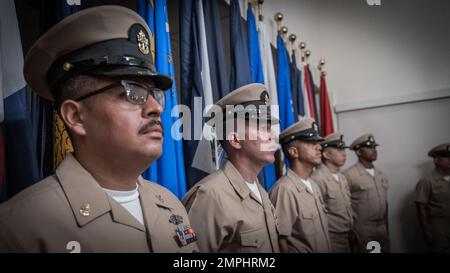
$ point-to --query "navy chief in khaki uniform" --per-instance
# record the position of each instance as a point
(335, 191)
(97, 68)
(229, 209)
(369, 189)
(299, 206)
(433, 201)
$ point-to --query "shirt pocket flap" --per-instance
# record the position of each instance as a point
(363, 187)
(307, 214)
(331, 195)
(252, 238)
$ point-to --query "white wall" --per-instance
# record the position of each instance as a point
(395, 53)
(406, 133)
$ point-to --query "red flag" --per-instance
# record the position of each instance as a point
(309, 93)
(326, 116)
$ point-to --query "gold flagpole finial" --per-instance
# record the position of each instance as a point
(292, 38)
(302, 46)
(320, 67)
(307, 55)
(284, 31)
(278, 18)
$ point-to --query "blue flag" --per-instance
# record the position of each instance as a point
(220, 79)
(297, 95)
(253, 48)
(284, 86)
(168, 170)
(240, 63)
(258, 76)
(146, 10)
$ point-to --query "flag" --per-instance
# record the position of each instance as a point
(304, 90)
(168, 170)
(315, 90)
(310, 92)
(253, 48)
(194, 95)
(240, 62)
(146, 10)
(20, 162)
(297, 94)
(268, 66)
(220, 79)
(284, 86)
(326, 114)
(257, 75)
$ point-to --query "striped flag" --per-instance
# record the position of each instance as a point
(19, 167)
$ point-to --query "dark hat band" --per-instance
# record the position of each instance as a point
(306, 135)
(366, 144)
(105, 55)
(442, 153)
(334, 144)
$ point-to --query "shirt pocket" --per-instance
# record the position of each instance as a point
(253, 239)
(440, 194)
(307, 220)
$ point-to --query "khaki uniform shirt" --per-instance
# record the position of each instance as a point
(434, 192)
(336, 195)
(228, 217)
(369, 194)
(369, 206)
(301, 214)
(70, 212)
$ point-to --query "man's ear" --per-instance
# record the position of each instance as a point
(71, 114)
(293, 152)
(234, 140)
(326, 154)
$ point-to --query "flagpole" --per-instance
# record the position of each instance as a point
(292, 39)
(260, 15)
(320, 67)
(302, 47)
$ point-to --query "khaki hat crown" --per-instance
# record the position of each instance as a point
(306, 130)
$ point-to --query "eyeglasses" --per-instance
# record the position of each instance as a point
(135, 92)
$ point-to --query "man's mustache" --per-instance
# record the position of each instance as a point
(147, 127)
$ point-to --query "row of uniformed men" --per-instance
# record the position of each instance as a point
(315, 207)
(108, 93)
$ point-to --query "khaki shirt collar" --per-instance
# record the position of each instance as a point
(237, 181)
(362, 170)
(438, 176)
(297, 181)
(329, 175)
(89, 201)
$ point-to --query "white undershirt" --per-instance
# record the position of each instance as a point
(371, 172)
(447, 178)
(307, 184)
(129, 200)
(336, 176)
(254, 188)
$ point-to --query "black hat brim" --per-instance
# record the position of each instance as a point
(162, 82)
